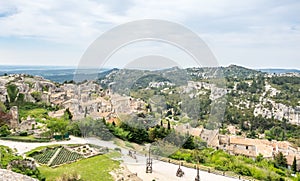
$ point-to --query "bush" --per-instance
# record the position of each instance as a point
(243, 170)
(37, 96)
(23, 133)
(4, 131)
(118, 149)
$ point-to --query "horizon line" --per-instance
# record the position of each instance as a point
(111, 67)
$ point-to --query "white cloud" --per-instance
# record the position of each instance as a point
(224, 24)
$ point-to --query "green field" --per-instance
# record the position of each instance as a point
(91, 169)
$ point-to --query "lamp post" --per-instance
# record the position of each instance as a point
(149, 163)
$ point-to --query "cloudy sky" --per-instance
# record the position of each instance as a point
(252, 33)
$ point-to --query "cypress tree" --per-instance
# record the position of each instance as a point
(294, 165)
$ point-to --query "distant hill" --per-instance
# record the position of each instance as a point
(53, 73)
(61, 74)
(279, 71)
(239, 71)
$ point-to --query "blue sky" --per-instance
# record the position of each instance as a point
(252, 33)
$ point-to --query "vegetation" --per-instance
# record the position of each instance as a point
(168, 104)
(29, 139)
(7, 156)
(4, 131)
(289, 87)
(12, 91)
(17, 163)
(44, 156)
(89, 169)
(91, 127)
(37, 96)
(65, 156)
(259, 168)
(58, 126)
(35, 110)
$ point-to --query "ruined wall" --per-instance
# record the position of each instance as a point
(14, 121)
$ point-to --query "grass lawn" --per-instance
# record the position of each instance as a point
(36, 113)
(90, 169)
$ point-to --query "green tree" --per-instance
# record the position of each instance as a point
(67, 114)
(100, 129)
(189, 143)
(12, 91)
(294, 166)
(259, 158)
(58, 126)
(74, 129)
(280, 161)
(169, 125)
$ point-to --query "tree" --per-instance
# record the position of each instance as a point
(100, 129)
(189, 143)
(294, 166)
(74, 129)
(169, 125)
(280, 160)
(12, 91)
(90, 128)
(67, 114)
(58, 126)
(85, 112)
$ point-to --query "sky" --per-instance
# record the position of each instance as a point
(250, 33)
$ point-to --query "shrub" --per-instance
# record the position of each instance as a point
(4, 131)
(37, 96)
(23, 133)
(243, 170)
(118, 149)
